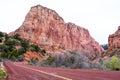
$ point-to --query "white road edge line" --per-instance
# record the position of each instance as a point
(64, 78)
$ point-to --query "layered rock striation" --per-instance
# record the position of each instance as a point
(114, 41)
(46, 28)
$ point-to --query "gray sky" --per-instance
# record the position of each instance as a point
(100, 17)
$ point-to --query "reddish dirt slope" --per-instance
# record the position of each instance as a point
(17, 71)
(29, 55)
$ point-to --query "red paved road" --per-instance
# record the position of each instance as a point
(19, 71)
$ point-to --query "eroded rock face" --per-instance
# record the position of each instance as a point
(46, 28)
(114, 41)
(29, 55)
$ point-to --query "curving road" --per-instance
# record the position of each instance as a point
(19, 71)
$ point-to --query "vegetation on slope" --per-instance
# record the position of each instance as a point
(69, 59)
(13, 48)
(3, 74)
(78, 60)
(112, 63)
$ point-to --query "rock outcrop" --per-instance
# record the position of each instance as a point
(114, 41)
(29, 55)
(46, 28)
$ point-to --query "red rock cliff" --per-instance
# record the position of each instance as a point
(46, 28)
(114, 41)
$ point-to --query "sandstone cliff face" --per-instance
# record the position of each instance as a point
(46, 28)
(114, 41)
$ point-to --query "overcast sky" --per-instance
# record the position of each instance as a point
(100, 17)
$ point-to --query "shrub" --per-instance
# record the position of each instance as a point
(21, 51)
(11, 42)
(2, 74)
(21, 58)
(33, 61)
(17, 36)
(84, 65)
(43, 52)
(1, 34)
(14, 47)
(69, 59)
(2, 47)
(25, 44)
(97, 65)
(50, 59)
(1, 39)
(6, 37)
(114, 63)
(5, 55)
(35, 48)
(0, 59)
(15, 53)
(13, 58)
(9, 48)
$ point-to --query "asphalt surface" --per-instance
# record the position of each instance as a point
(20, 71)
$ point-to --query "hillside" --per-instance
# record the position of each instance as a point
(47, 29)
(14, 48)
(66, 45)
(114, 43)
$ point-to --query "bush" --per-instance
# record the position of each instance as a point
(2, 74)
(4, 55)
(69, 59)
(11, 42)
(15, 53)
(14, 48)
(25, 44)
(35, 48)
(17, 36)
(1, 34)
(11, 55)
(97, 65)
(112, 63)
(21, 51)
(21, 58)
(9, 48)
(2, 47)
(13, 58)
(43, 52)
(1, 39)
(7, 37)
(84, 65)
(50, 59)
(33, 61)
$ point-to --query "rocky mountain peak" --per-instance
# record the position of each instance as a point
(114, 40)
(46, 28)
(39, 12)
